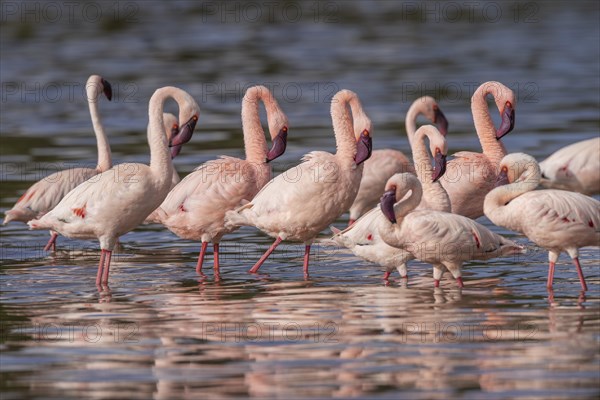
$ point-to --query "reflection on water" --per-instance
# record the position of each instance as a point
(162, 331)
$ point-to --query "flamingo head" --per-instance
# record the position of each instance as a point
(508, 120)
(517, 167)
(279, 144)
(185, 132)
(387, 204)
(439, 119)
(364, 147)
(106, 88)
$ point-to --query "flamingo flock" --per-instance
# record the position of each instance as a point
(398, 210)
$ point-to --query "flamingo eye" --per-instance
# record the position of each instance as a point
(365, 132)
(504, 169)
(369, 237)
(284, 129)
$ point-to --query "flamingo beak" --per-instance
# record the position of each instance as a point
(107, 88)
(439, 166)
(441, 122)
(387, 205)
(185, 133)
(279, 144)
(502, 178)
(508, 120)
(364, 147)
(175, 149)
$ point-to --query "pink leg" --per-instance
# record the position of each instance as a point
(52, 242)
(306, 256)
(216, 260)
(260, 262)
(580, 273)
(460, 282)
(351, 221)
(550, 275)
(106, 266)
(100, 268)
(386, 276)
(201, 257)
(436, 283)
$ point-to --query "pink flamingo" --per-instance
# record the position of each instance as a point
(470, 176)
(45, 194)
(363, 238)
(443, 239)
(195, 208)
(575, 167)
(119, 199)
(386, 162)
(302, 201)
(556, 220)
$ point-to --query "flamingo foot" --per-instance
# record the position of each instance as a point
(460, 283)
(386, 276)
(580, 273)
(550, 275)
(201, 257)
(52, 242)
(260, 262)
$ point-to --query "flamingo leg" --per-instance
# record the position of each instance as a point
(460, 283)
(100, 268)
(52, 242)
(580, 273)
(306, 256)
(107, 259)
(550, 275)
(260, 262)
(386, 276)
(216, 260)
(201, 257)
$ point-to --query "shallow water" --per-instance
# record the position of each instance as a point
(163, 331)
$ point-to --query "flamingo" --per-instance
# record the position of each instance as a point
(195, 208)
(575, 167)
(45, 194)
(117, 201)
(302, 201)
(471, 176)
(363, 238)
(443, 239)
(556, 220)
(386, 162)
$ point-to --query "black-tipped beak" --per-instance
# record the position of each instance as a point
(441, 122)
(508, 120)
(364, 147)
(439, 166)
(502, 178)
(387, 205)
(107, 88)
(185, 133)
(279, 144)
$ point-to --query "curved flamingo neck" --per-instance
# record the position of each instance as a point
(255, 144)
(417, 108)
(93, 91)
(404, 206)
(160, 157)
(492, 148)
(435, 194)
(343, 126)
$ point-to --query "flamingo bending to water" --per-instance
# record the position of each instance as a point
(471, 176)
(195, 208)
(556, 220)
(323, 186)
(575, 167)
(119, 199)
(363, 238)
(386, 162)
(443, 239)
(45, 194)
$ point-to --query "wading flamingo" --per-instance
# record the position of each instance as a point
(575, 167)
(118, 200)
(470, 176)
(386, 162)
(195, 208)
(45, 194)
(556, 220)
(302, 201)
(363, 238)
(443, 239)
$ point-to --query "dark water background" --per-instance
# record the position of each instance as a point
(164, 332)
